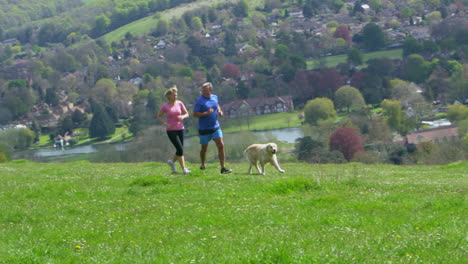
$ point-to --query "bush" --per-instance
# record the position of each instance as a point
(367, 157)
(324, 156)
(4, 154)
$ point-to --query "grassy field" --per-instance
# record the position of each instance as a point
(332, 61)
(82, 212)
(263, 122)
(145, 25)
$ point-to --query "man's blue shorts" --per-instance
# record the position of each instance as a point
(205, 139)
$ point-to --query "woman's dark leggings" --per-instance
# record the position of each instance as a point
(177, 139)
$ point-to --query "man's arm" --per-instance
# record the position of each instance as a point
(202, 114)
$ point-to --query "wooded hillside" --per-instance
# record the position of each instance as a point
(15, 13)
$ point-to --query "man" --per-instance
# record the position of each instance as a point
(207, 110)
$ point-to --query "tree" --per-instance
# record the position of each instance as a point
(241, 9)
(396, 118)
(47, 33)
(194, 44)
(329, 82)
(66, 125)
(308, 10)
(349, 97)
(101, 25)
(407, 93)
(230, 44)
(406, 13)
(373, 37)
(36, 128)
(161, 28)
(375, 5)
(342, 31)
(304, 147)
(269, 5)
(230, 71)
(104, 91)
(101, 124)
(304, 85)
(354, 56)
(141, 117)
(319, 109)
(357, 8)
(457, 113)
(78, 118)
(51, 97)
(347, 141)
(282, 52)
(4, 153)
(18, 98)
(17, 138)
(416, 68)
(196, 23)
(410, 46)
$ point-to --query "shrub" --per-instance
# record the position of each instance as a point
(366, 157)
(4, 154)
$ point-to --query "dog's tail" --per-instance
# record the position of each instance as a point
(246, 153)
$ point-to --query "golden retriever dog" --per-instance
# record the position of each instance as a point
(263, 154)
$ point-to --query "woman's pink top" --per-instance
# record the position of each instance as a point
(172, 112)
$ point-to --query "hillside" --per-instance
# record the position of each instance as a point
(276, 54)
(17, 13)
(84, 212)
(146, 25)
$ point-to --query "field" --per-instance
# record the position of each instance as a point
(332, 61)
(262, 122)
(80, 212)
(145, 25)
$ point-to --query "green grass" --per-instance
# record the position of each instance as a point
(332, 61)
(145, 25)
(120, 134)
(263, 122)
(89, 1)
(81, 212)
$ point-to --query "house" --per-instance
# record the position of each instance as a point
(161, 45)
(439, 134)
(295, 12)
(258, 106)
(9, 42)
(213, 26)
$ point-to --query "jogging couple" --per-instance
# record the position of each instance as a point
(207, 110)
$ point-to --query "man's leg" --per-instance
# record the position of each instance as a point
(203, 150)
(220, 145)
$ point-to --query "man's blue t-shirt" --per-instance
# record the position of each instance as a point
(202, 105)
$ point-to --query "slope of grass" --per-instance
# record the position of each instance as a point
(332, 61)
(262, 122)
(145, 25)
(81, 212)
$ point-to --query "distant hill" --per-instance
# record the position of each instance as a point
(17, 13)
(52, 21)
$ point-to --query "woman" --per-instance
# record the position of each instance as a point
(175, 112)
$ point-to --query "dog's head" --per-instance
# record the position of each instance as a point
(272, 148)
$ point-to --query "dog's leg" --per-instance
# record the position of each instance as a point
(258, 169)
(274, 162)
(263, 168)
(250, 168)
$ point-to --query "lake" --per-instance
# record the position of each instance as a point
(288, 135)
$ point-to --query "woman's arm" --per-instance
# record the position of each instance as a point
(184, 112)
(160, 118)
